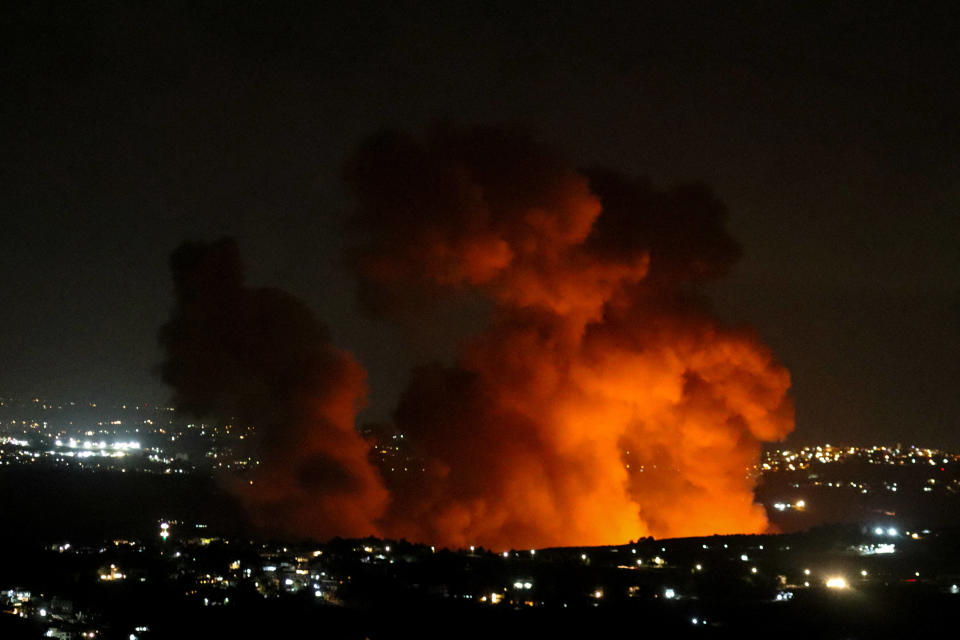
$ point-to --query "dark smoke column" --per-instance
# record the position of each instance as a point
(260, 356)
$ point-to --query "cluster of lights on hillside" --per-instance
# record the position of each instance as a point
(800, 459)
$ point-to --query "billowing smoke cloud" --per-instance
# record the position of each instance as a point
(601, 402)
(259, 356)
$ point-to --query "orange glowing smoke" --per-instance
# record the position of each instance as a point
(602, 402)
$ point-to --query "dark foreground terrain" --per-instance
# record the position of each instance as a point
(83, 557)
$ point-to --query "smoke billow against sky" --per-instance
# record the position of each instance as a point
(259, 356)
(600, 402)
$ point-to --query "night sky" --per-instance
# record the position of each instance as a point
(831, 133)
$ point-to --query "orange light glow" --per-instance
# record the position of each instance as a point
(600, 403)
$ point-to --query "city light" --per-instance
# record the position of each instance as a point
(799, 505)
(112, 575)
(837, 582)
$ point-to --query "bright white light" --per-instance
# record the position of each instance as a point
(527, 585)
(518, 585)
(506, 554)
(863, 572)
(837, 582)
(43, 613)
(694, 621)
(891, 531)
(800, 504)
(699, 567)
(878, 531)
(318, 593)
(669, 594)
(744, 557)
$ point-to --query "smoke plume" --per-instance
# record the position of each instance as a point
(601, 402)
(259, 356)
